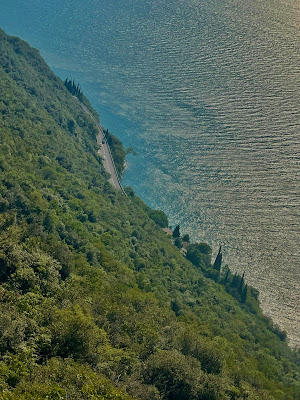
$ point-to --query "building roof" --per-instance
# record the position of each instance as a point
(167, 231)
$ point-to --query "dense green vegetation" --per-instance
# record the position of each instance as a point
(96, 301)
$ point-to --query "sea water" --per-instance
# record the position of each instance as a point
(207, 93)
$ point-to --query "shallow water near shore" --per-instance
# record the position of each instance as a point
(207, 93)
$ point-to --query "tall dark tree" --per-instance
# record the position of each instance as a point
(218, 260)
(241, 285)
(226, 276)
(234, 280)
(244, 294)
(176, 232)
(186, 238)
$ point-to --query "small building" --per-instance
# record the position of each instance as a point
(183, 251)
(167, 231)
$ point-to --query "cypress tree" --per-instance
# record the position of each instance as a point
(234, 280)
(242, 283)
(176, 232)
(218, 260)
(69, 86)
(226, 276)
(244, 294)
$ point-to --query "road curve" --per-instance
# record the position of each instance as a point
(105, 153)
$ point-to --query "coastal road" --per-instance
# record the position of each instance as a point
(105, 153)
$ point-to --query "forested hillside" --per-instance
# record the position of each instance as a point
(96, 301)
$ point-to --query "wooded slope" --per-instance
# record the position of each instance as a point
(96, 302)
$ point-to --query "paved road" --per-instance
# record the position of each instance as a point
(105, 153)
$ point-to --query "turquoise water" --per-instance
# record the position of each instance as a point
(207, 93)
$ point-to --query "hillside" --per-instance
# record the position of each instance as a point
(96, 302)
